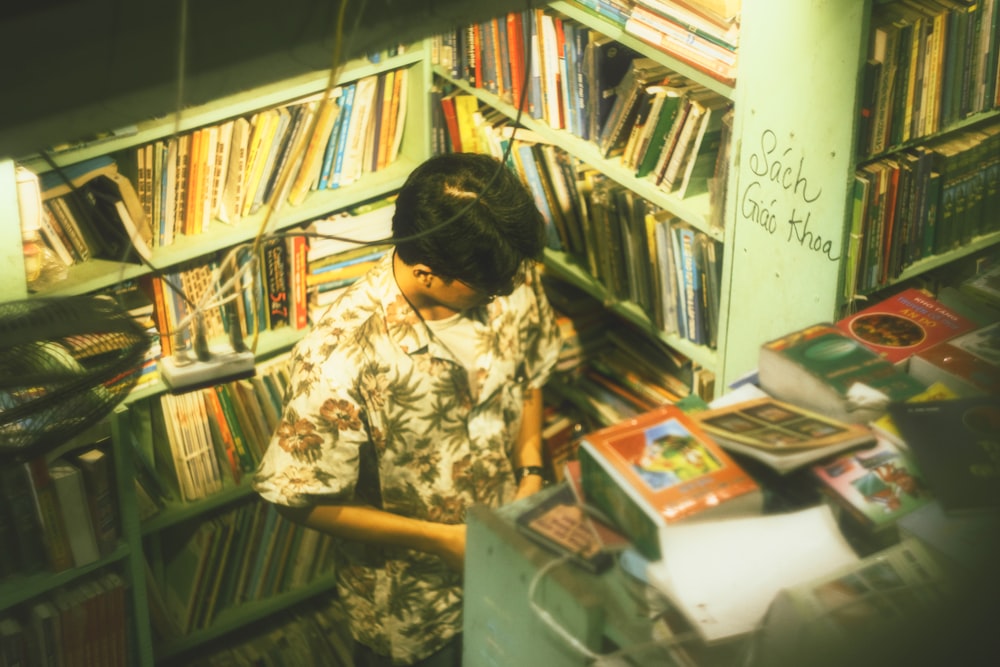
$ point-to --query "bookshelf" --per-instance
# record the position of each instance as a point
(789, 202)
(785, 227)
(142, 541)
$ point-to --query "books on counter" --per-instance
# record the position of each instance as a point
(874, 486)
(824, 369)
(956, 443)
(556, 520)
(660, 468)
(905, 324)
(783, 436)
(968, 364)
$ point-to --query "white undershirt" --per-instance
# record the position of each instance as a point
(458, 335)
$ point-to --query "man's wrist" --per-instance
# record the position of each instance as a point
(526, 471)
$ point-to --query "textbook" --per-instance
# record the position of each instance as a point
(904, 324)
(781, 435)
(875, 486)
(823, 369)
(658, 468)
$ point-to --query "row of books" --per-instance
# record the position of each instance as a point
(131, 297)
(344, 246)
(228, 171)
(705, 40)
(83, 623)
(58, 514)
(90, 209)
(276, 287)
(922, 201)
(241, 555)
(636, 251)
(311, 635)
(930, 64)
(207, 439)
(659, 124)
(254, 291)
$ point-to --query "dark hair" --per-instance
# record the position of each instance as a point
(487, 245)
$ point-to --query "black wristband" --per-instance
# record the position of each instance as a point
(519, 473)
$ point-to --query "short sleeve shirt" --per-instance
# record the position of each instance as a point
(380, 411)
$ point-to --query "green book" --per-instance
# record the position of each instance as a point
(823, 369)
(672, 100)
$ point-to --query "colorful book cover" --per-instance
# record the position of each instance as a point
(876, 486)
(661, 467)
(904, 324)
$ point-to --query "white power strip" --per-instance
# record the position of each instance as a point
(187, 374)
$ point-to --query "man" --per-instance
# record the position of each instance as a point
(415, 396)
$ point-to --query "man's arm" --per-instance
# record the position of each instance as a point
(362, 523)
(528, 448)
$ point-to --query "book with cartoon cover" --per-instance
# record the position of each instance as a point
(661, 467)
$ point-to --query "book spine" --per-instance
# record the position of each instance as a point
(276, 278)
(95, 465)
(15, 482)
(298, 249)
(68, 482)
(53, 525)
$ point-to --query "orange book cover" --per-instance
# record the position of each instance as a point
(661, 467)
(196, 166)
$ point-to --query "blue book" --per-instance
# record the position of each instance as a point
(333, 141)
(691, 285)
(260, 557)
(344, 130)
(533, 179)
(581, 36)
(367, 257)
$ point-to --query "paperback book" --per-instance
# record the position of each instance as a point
(823, 369)
(968, 364)
(875, 487)
(560, 523)
(783, 436)
(658, 468)
(904, 324)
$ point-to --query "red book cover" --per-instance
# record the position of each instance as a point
(904, 324)
(660, 467)
(515, 49)
(451, 121)
(298, 248)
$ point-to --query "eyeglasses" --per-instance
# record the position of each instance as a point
(494, 291)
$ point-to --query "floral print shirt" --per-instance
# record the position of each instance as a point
(379, 410)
